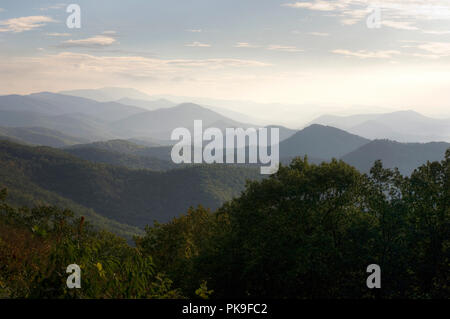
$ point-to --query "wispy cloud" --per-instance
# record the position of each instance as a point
(92, 42)
(83, 66)
(53, 7)
(284, 48)
(17, 25)
(245, 45)
(320, 5)
(272, 47)
(194, 30)
(436, 32)
(402, 25)
(110, 32)
(319, 34)
(56, 34)
(364, 54)
(430, 50)
(198, 45)
(399, 14)
(437, 49)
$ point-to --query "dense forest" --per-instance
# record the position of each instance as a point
(119, 197)
(308, 231)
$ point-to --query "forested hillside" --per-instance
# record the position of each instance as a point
(404, 156)
(308, 231)
(133, 197)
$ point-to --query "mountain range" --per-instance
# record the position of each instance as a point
(110, 160)
(402, 126)
(96, 121)
(135, 197)
(60, 120)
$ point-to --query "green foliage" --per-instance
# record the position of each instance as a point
(132, 161)
(203, 291)
(121, 196)
(37, 245)
(38, 136)
(310, 231)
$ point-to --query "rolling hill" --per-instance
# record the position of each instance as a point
(147, 105)
(76, 125)
(94, 121)
(320, 142)
(121, 153)
(130, 197)
(74, 116)
(402, 126)
(405, 156)
(39, 136)
(108, 94)
(160, 123)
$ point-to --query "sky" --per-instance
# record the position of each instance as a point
(360, 55)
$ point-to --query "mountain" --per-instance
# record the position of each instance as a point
(74, 116)
(105, 111)
(108, 94)
(122, 153)
(77, 125)
(131, 197)
(24, 189)
(403, 126)
(405, 156)
(149, 142)
(148, 105)
(284, 132)
(134, 97)
(119, 146)
(51, 104)
(39, 136)
(160, 123)
(130, 161)
(320, 142)
(92, 120)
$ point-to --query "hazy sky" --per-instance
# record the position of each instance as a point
(319, 53)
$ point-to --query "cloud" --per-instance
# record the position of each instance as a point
(17, 25)
(284, 48)
(430, 50)
(54, 69)
(398, 14)
(1, 9)
(92, 42)
(198, 45)
(402, 25)
(194, 30)
(56, 34)
(139, 64)
(316, 5)
(111, 32)
(53, 7)
(319, 34)
(364, 54)
(436, 32)
(437, 49)
(245, 45)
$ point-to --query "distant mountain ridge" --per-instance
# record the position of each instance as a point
(92, 120)
(404, 156)
(402, 126)
(39, 136)
(108, 94)
(318, 141)
(147, 105)
(160, 123)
